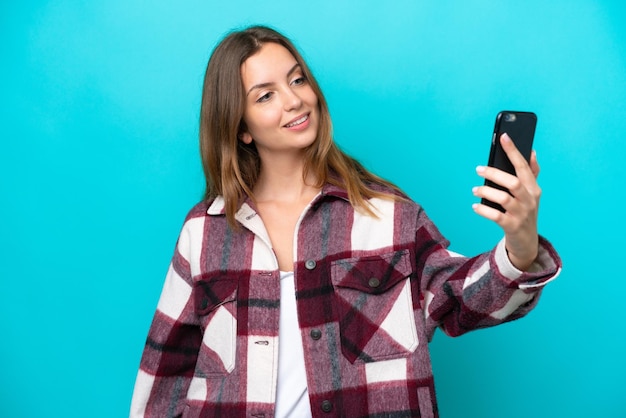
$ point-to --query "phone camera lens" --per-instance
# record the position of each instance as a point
(509, 117)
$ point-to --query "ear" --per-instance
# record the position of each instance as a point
(245, 137)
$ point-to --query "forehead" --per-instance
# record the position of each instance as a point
(270, 64)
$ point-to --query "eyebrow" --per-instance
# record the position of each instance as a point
(263, 85)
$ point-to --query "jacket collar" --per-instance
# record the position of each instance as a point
(334, 191)
(217, 207)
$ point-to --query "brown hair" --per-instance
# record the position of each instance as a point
(231, 167)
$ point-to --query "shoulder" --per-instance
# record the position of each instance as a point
(199, 219)
(199, 210)
(204, 210)
(396, 195)
(387, 189)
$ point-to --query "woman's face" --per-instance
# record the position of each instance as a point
(281, 112)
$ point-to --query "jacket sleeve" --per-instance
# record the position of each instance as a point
(171, 350)
(461, 294)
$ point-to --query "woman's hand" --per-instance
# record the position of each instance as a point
(519, 222)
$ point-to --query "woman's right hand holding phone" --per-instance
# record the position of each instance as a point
(521, 205)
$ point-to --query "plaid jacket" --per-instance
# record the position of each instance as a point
(370, 294)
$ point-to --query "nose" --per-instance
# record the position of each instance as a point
(292, 100)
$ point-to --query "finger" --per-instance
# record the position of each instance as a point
(522, 168)
(526, 172)
(534, 165)
(519, 194)
(497, 176)
(489, 213)
(494, 195)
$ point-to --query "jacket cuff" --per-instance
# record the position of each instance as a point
(545, 268)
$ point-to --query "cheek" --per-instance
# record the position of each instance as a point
(313, 103)
(311, 97)
(266, 118)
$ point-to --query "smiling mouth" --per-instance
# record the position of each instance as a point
(297, 122)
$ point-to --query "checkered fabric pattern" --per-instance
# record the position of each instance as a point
(370, 293)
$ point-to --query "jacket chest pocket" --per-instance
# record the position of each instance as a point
(375, 306)
(215, 303)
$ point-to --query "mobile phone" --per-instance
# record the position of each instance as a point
(520, 126)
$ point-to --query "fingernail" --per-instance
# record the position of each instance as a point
(475, 206)
(475, 189)
(480, 169)
(506, 137)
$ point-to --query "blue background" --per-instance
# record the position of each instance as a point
(99, 165)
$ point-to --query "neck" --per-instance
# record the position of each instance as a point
(282, 180)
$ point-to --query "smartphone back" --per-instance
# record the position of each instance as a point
(520, 126)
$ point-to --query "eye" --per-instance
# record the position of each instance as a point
(298, 81)
(264, 98)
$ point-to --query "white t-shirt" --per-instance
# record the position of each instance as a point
(292, 397)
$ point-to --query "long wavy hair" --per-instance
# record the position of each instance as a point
(231, 167)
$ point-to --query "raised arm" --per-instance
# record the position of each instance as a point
(519, 222)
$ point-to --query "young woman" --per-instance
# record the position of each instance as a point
(304, 285)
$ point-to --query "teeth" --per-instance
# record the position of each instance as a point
(297, 122)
